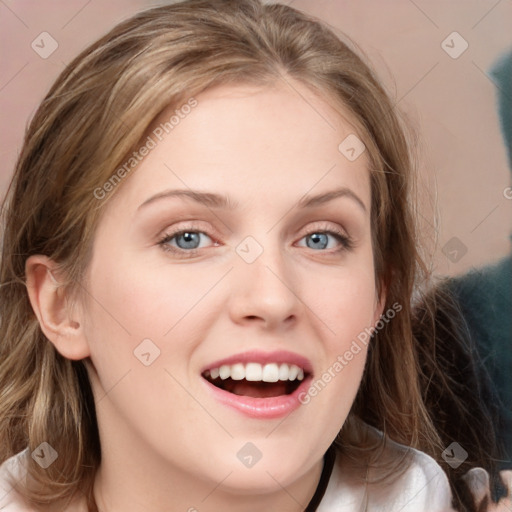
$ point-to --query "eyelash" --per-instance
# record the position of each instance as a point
(346, 243)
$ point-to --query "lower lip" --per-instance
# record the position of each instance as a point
(261, 408)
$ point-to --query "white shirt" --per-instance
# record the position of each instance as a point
(422, 487)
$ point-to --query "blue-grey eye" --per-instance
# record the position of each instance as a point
(321, 240)
(188, 240)
(317, 240)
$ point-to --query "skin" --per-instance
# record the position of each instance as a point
(166, 443)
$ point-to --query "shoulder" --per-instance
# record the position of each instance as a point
(421, 486)
(403, 479)
(13, 473)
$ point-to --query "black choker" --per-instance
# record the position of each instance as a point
(329, 458)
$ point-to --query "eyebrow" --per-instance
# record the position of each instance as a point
(309, 202)
(207, 198)
(212, 200)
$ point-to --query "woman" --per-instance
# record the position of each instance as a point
(207, 269)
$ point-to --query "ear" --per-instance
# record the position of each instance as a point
(60, 322)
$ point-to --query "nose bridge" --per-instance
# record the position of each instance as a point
(265, 285)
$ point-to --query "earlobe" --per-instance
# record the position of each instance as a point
(60, 323)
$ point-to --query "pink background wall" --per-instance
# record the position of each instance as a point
(451, 101)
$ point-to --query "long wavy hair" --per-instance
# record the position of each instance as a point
(95, 115)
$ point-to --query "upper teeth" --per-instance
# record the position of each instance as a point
(271, 372)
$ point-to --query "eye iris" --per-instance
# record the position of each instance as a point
(320, 239)
(190, 240)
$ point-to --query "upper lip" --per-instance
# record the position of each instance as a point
(257, 356)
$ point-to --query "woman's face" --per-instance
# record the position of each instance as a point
(239, 250)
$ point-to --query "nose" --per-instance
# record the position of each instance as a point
(265, 293)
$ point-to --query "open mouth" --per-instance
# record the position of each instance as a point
(257, 380)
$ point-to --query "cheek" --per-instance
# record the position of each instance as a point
(346, 309)
(345, 301)
(132, 300)
(144, 298)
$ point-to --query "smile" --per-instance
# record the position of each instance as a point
(255, 379)
(258, 386)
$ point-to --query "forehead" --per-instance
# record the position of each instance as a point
(250, 138)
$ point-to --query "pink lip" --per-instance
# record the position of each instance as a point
(255, 356)
(262, 408)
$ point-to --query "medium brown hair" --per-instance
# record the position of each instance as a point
(95, 115)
